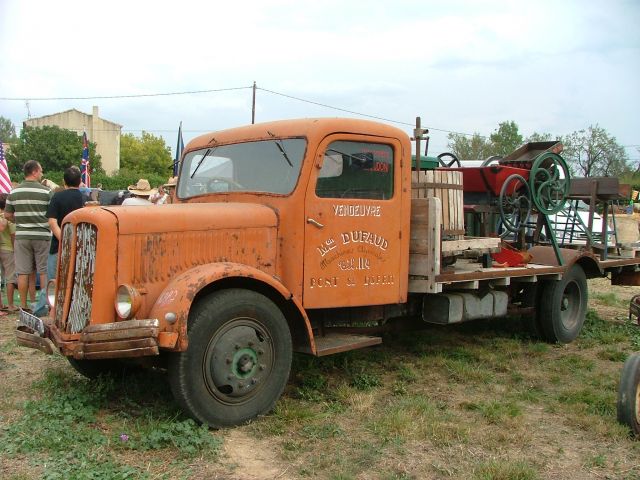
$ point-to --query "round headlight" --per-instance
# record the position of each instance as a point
(51, 293)
(127, 302)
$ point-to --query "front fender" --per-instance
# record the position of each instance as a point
(178, 296)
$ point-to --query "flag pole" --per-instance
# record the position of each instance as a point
(253, 105)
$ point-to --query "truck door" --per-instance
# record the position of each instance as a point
(353, 220)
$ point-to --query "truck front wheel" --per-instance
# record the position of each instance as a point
(563, 306)
(238, 359)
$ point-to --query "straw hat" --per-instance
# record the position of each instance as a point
(172, 182)
(142, 188)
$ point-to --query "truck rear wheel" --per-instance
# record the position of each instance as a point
(629, 395)
(238, 359)
(563, 306)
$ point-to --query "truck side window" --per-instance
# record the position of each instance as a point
(356, 170)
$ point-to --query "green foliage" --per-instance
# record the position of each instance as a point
(54, 147)
(145, 155)
(71, 429)
(124, 178)
(365, 381)
(505, 139)
(186, 436)
(89, 466)
(7, 130)
(464, 147)
(597, 331)
(593, 152)
(541, 137)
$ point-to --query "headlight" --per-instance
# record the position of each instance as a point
(127, 302)
(51, 293)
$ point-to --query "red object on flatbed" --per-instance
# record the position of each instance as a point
(489, 179)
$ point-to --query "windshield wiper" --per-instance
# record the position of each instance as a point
(278, 143)
(206, 154)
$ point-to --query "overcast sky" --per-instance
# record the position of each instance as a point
(551, 66)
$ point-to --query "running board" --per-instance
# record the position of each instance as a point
(333, 342)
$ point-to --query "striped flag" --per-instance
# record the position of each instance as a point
(5, 181)
(84, 165)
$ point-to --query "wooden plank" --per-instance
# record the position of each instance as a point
(486, 243)
(419, 211)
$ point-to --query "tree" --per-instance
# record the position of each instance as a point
(593, 152)
(505, 139)
(469, 148)
(541, 137)
(144, 155)
(7, 130)
(54, 147)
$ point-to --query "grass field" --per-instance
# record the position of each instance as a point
(480, 400)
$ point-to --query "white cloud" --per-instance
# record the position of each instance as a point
(466, 66)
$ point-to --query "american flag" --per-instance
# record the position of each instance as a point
(5, 181)
(84, 165)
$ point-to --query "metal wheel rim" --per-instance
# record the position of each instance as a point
(570, 305)
(514, 211)
(238, 360)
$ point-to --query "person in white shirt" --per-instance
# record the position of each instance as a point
(140, 193)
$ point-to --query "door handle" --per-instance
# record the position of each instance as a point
(314, 222)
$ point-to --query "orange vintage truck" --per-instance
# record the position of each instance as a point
(298, 235)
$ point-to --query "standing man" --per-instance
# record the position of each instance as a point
(27, 207)
(62, 203)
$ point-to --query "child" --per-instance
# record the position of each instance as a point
(7, 237)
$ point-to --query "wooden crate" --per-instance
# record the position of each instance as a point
(447, 186)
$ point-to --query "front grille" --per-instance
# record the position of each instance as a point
(75, 274)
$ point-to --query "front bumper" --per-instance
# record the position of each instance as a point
(126, 339)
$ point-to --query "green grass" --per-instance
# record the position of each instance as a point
(597, 331)
(468, 401)
(610, 299)
(75, 425)
(505, 470)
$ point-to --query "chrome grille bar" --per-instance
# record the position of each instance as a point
(64, 263)
(80, 312)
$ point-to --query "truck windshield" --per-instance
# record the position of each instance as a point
(271, 166)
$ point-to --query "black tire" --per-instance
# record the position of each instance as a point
(94, 368)
(563, 306)
(629, 395)
(238, 360)
(530, 297)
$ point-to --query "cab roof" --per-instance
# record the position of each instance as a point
(314, 129)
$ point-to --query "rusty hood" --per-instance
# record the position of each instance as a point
(192, 217)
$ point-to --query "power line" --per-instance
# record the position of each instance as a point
(138, 95)
(193, 92)
(360, 113)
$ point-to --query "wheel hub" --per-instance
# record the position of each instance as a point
(238, 359)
